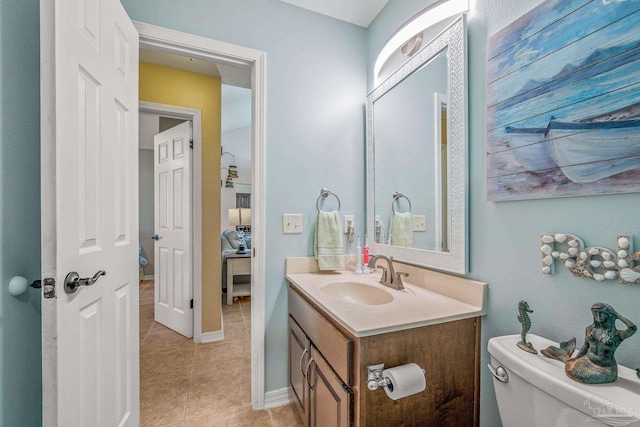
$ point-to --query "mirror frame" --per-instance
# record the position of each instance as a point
(456, 260)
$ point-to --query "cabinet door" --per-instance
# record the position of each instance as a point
(299, 357)
(331, 401)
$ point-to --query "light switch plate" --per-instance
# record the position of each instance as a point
(291, 223)
(419, 223)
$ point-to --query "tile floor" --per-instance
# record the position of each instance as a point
(183, 384)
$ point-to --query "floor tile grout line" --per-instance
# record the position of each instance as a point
(147, 334)
(270, 417)
(244, 318)
(153, 325)
(186, 402)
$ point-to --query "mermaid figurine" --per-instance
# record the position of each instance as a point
(595, 362)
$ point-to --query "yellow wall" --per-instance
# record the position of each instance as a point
(185, 89)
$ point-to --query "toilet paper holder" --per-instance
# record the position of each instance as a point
(375, 380)
(374, 377)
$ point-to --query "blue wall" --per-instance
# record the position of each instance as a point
(317, 70)
(505, 237)
(316, 83)
(20, 355)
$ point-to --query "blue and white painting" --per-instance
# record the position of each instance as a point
(563, 101)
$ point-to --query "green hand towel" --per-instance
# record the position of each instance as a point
(401, 229)
(328, 241)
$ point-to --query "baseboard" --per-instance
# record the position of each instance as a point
(149, 277)
(207, 337)
(280, 397)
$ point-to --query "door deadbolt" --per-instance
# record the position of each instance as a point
(73, 281)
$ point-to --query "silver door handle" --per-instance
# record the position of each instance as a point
(499, 373)
(73, 281)
(155, 237)
(306, 350)
(308, 374)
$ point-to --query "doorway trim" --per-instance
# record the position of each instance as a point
(184, 44)
(195, 116)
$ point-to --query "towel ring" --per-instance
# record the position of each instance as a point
(397, 196)
(325, 193)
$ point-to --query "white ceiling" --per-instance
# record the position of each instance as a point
(359, 12)
(230, 75)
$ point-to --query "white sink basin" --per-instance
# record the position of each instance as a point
(358, 293)
(364, 307)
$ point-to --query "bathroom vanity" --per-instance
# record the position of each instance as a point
(341, 323)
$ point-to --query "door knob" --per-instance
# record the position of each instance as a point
(73, 281)
(155, 237)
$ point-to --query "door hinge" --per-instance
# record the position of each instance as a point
(191, 305)
(191, 144)
(49, 288)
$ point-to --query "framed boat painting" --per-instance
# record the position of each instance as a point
(563, 101)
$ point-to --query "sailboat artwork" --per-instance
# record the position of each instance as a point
(585, 152)
(563, 102)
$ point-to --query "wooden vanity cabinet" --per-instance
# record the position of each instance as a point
(330, 400)
(448, 352)
(299, 356)
(334, 391)
(321, 396)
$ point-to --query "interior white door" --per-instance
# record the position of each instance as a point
(89, 120)
(172, 212)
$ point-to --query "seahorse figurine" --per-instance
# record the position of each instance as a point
(523, 318)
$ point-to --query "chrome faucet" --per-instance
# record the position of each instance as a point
(389, 277)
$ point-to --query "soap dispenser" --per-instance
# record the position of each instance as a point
(358, 257)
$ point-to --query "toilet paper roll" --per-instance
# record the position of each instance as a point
(405, 381)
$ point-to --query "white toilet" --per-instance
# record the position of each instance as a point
(538, 393)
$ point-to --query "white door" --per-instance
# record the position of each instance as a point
(89, 119)
(172, 218)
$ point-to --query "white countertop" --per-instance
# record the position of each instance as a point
(412, 307)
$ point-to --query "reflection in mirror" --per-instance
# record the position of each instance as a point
(400, 225)
(441, 102)
(409, 123)
(416, 157)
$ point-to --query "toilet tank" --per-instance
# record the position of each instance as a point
(539, 394)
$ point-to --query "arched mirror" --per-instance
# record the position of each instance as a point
(417, 157)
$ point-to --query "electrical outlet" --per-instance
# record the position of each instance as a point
(419, 223)
(378, 228)
(291, 223)
(347, 219)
